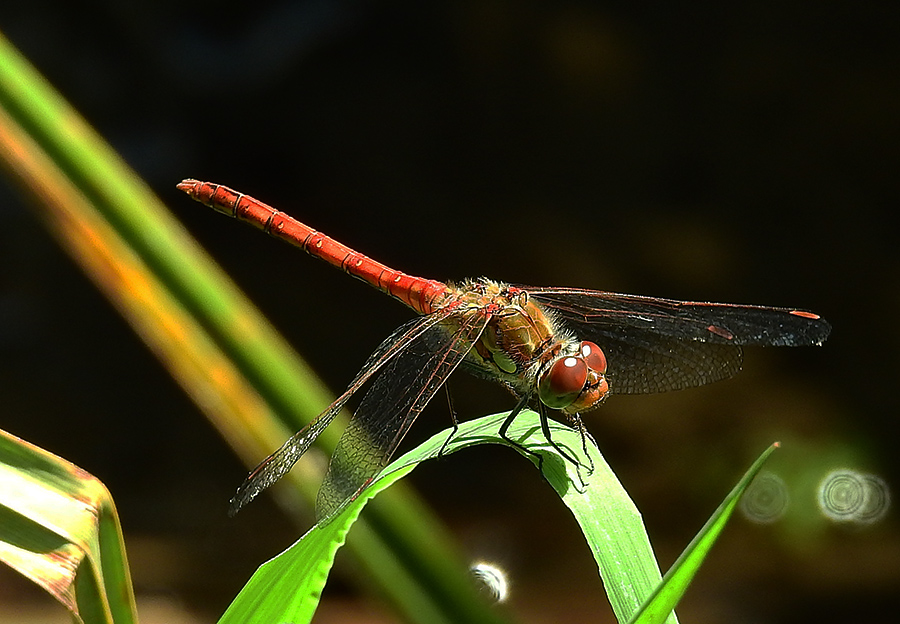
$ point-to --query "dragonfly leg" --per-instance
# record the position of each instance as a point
(576, 424)
(452, 418)
(545, 429)
(504, 429)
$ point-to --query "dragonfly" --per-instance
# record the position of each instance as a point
(560, 349)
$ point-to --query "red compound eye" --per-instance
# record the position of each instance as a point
(563, 382)
(594, 356)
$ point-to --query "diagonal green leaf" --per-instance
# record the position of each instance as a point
(682, 572)
(59, 528)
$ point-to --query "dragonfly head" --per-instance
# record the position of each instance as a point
(575, 383)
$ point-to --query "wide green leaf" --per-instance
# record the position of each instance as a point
(288, 587)
(59, 528)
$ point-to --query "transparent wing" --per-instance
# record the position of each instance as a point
(396, 398)
(276, 465)
(655, 345)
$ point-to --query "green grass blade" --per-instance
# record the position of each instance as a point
(682, 572)
(59, 528)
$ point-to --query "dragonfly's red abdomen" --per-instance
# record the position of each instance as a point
(422, 295)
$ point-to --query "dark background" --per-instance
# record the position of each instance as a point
(742, 152)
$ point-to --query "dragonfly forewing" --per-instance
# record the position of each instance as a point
(720, 323)
(404, 387)
(279, 463)
(657, 345)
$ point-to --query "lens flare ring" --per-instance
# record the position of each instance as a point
(853, 497)
(766, 500)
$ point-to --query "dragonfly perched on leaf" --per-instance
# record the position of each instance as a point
(564, 349)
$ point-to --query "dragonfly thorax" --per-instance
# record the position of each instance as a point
(525, 346)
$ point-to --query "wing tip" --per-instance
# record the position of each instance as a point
(818, 329)
(821, 329)
(239, 501)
